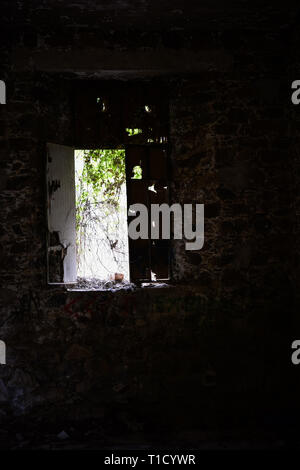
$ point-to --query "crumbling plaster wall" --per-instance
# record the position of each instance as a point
(213, 343)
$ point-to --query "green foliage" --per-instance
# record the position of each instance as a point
(132, 132)
(103, 172)
(137, 173)
(102, 177)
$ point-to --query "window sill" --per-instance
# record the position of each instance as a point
(113, 286)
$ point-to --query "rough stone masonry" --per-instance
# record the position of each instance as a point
(211, 350)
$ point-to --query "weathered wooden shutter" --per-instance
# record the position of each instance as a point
(149, 259)
(61, 214)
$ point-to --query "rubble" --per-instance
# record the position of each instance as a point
(101, 285)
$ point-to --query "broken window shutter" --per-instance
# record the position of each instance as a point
(160, 249)
(149, 259)
(61, 214)
(159, 182)
(139, 250)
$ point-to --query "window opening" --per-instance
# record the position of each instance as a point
(101, 215)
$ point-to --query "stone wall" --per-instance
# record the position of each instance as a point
(215, 346)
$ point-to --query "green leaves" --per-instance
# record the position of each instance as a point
(100, 175)
(103, 172)
(137, 173)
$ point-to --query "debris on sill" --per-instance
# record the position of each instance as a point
(112, 285)
(155, 284)
(102, 285)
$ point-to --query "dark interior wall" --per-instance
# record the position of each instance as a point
(215, 347)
